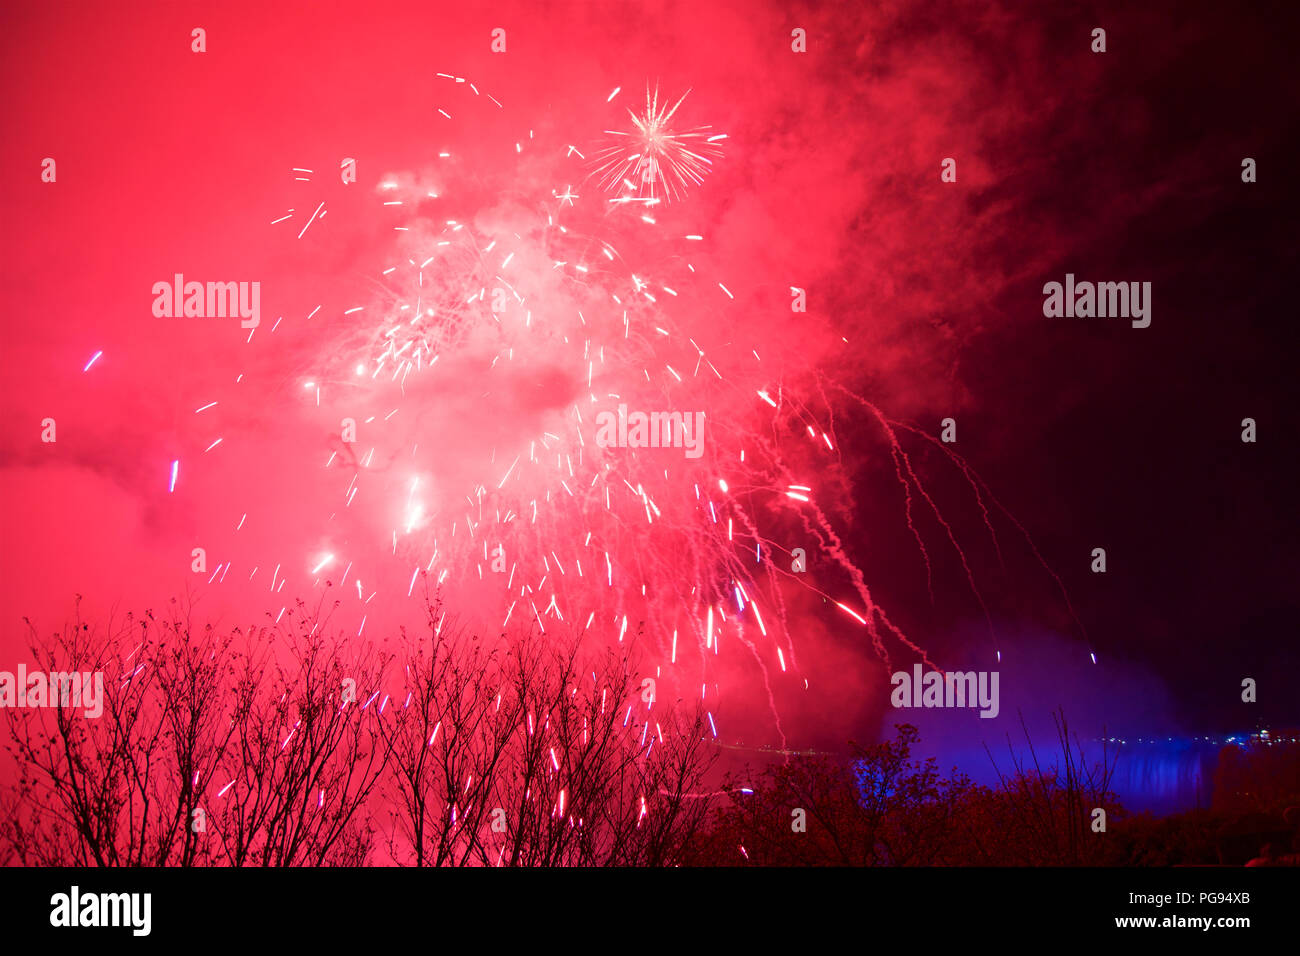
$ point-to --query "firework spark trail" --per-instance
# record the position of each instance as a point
(977, 484)
(820, 528)
(970, 478)
(835, 548)
(899, 460)
(907, 464)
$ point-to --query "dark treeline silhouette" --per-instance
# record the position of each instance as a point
(280, 746)
(880, 807)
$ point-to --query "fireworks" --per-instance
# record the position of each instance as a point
(654, 160)
(480, 392)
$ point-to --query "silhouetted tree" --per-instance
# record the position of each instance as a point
(281, 746)
(529, 753)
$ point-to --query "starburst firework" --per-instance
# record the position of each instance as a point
(653, 160)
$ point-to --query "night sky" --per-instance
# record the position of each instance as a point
(924, 297)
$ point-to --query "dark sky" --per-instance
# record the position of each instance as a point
(924, 297)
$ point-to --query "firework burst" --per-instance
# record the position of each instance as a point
(470, 381)
(655, 161)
